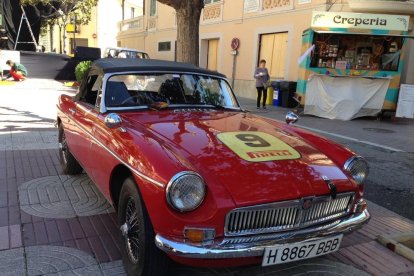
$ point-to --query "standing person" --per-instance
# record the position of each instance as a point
(17, 70)
(262, 77)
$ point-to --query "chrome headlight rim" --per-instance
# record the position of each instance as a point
(350, 163)
(173, 182)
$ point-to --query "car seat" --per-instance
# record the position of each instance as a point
(117, 94)
(171, 91)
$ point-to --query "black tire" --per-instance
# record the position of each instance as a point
(139, 252)
(69, 164)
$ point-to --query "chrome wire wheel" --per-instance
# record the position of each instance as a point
(69, 164)
(63, 147)
(131, 230)
(140, 255)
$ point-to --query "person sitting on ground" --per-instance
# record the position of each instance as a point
(17, 70)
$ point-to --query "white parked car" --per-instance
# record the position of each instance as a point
(116, 52)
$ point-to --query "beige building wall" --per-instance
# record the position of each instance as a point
(226, 20)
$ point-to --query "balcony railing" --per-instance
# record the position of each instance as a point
(136, 24)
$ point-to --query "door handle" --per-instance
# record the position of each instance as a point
(72, 110)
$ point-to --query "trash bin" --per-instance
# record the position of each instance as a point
(276, 97)
(269, 96)
(276, 101)
(288, 89)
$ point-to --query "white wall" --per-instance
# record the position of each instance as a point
(109, 15)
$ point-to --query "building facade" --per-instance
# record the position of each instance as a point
(266, 29)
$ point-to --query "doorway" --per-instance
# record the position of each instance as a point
(273, 49)
(212, 54)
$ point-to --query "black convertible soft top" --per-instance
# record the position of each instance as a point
(113, 65)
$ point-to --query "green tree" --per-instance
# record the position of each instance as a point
(188, 28)
(63, 11)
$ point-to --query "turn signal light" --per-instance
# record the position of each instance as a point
(197, 235)
(360, 206)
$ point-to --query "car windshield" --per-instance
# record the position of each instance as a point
(163, 90)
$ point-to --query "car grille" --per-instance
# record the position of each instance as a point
(287, 215)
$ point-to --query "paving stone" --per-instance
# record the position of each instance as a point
(3, 199)
(99, 250)
(12, 262)
(62, 197)
(52, 231)
(115, 268)
(15, 237)
(4, 237)
(4, 216)
(55, 259)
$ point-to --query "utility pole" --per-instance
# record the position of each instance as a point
(74, 35)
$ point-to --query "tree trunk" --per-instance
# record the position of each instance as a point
(51, 37)
(188, 28)
(188, 25)
(60, 38)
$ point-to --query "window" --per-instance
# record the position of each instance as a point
(164, 46)
(206, 2)
(132, 12)
(90, 92)
(153, 7)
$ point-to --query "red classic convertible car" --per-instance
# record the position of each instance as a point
(197, 179)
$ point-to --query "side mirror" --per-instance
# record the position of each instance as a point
(112, 120)
(291, 118)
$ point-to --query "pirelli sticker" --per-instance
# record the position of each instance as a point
(256, 146)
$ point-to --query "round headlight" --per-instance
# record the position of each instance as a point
(186, 191)
(357, 168)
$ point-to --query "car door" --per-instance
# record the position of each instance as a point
(106, 138)
(84, 116)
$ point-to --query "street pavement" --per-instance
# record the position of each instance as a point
(53, 224)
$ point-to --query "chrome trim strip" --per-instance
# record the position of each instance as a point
(228, 249)
(155, 182)
(184, 106)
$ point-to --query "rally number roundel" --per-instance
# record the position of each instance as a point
(257, 146)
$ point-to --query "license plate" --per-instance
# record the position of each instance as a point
(300, 251)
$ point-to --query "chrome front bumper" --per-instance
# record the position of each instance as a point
(236, 247)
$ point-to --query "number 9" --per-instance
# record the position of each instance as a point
(253, 140)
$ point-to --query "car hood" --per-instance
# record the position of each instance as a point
(205, 140)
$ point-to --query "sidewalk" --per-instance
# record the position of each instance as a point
(51, 223)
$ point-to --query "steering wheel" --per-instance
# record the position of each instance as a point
(135, 99)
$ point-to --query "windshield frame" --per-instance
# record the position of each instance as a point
(104, 109)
